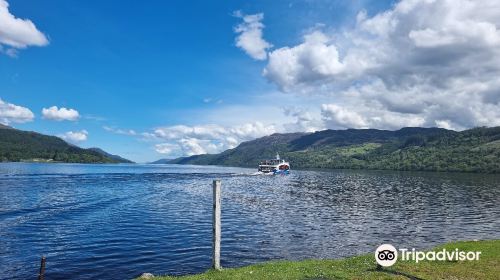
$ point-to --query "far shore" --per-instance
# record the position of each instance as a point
(332, 169)
(253, 167)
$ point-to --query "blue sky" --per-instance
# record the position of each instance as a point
(172, 72)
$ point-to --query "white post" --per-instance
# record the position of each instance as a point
(216, 224)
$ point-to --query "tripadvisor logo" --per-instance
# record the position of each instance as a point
(387, 255)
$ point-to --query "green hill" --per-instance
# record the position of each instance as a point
(412, 148)
(117, 158)
(18, 145)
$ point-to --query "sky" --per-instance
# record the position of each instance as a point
(163, 79)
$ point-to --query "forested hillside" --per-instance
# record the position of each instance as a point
(18, 145)
(424, 149)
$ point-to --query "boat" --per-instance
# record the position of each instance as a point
(275, 166)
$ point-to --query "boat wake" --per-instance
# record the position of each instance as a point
(259, 173)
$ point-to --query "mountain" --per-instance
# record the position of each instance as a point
(411, 148)
(161, 161)
(115, 157)
(18, 145)
(2, 126)
(246, 154)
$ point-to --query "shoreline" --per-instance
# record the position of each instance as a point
(333, 169)
(365, 267)
(251, 167)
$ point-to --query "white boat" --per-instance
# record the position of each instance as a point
(275, 166)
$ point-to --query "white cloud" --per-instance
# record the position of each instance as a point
(189, 147)
(75, 136)
(208, 100)
(202, 139)
(167, 148)
(250, 38)
(17, 33)
(129, 132)
(212, 131)
(62, 114)
(9, 51)
(315, 59)
(193, 146)
(13, 113)
(304, 121)
(443, 124)
(422, 62)
(250, 131)
(339, 117)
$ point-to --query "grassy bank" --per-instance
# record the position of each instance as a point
(364, 267)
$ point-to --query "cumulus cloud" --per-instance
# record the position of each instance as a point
(17, 33)
(10, 113)
(202, 139)
(301, 121)
(120, 131)
(339, 117)
(167, 148)
(75, 136)
(422, 62)
(62, 114)
(250, 38)
(315, 59)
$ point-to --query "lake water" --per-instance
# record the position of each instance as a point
(118, 221)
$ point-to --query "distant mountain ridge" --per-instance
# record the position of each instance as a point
(2, 126)
(410, 148)
(115, 157)
(18, 145)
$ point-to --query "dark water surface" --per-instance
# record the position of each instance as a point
(118, 221)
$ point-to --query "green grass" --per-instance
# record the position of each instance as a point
(364, 267)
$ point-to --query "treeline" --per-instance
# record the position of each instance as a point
(417, 149)
(17, 145)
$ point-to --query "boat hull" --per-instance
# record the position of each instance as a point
(281, 172)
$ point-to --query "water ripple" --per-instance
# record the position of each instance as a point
(118, 221)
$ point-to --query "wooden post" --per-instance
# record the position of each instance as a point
(41, 274)
(216, 224)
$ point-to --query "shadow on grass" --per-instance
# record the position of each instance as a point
(395, 272)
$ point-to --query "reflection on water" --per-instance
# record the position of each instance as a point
(118, 221)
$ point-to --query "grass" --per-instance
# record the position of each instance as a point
(364, 267)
